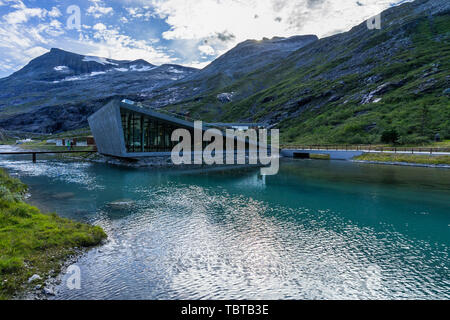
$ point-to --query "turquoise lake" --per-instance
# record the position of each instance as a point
(317, 230)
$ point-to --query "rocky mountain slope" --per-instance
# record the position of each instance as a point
(59, 90)
(351, 87)
(348, 88)
(233, 66)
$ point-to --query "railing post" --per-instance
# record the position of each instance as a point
(34, 157)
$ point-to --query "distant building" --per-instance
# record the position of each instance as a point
(79, 142)
(23, 141)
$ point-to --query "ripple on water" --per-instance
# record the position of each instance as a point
(242, 237)
(189, 242)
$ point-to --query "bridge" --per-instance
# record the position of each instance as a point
(35, 153)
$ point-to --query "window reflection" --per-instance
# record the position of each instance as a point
(143, 133)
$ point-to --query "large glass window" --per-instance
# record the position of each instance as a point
(146, 134)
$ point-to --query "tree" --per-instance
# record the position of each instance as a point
(390, 136)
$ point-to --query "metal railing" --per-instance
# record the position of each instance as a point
(35, 153)
(368, 148)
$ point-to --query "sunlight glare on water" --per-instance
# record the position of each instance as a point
(317, 230)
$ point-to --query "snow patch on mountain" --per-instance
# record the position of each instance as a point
(173, 70)
(82, 77)
(141, 69)
(100, 60)
(61, 68)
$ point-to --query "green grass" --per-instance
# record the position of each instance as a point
(32, 242)
(317, 156)
(408, 158)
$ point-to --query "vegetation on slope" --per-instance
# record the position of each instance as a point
(32, 242)
(352, 87)
(407, 158)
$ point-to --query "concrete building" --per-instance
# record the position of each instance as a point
(126, 129)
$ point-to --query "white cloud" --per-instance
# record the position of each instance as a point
(225, 23)
(26, 33)
(99, 27)
(254, 19)
(199, 30)
(55, 13)
(208, 50)
(197, 64)
(111, 43)
(23, 15)
(35, 51)
(98, 10)
(142, 12)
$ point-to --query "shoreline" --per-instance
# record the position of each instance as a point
(165, 162)
(406, 164)
(36, 246)
(53, 279)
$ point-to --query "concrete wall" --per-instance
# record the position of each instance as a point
(334, 154)
(106, 126)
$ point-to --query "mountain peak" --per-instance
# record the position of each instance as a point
(250, 55)
(57, 50)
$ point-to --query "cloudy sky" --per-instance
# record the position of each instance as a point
(188, 32)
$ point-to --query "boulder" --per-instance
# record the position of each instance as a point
(34, 277)
(225, 97)
(48, 291)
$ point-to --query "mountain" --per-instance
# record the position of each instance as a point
(347, 88)
(237, 63)
(249, 56)
(59, 65)
(59, 90)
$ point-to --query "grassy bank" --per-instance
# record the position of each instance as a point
(408, 158)
(32, 242)
(317, 156)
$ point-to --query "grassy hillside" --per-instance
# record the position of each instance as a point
(32, 242)
(352, 87)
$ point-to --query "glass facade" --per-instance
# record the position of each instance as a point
(143, 133)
